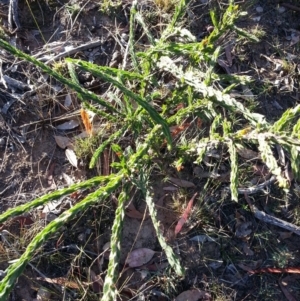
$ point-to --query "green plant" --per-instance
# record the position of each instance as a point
(110, 6)
(73, 9)
(199, 91)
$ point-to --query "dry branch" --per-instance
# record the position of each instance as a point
(271, 219)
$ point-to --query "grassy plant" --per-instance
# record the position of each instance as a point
(199, 93)
(165, 5)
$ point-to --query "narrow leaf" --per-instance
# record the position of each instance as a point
(185, 215)
(155, 116)
(86, 121)
(71, 157)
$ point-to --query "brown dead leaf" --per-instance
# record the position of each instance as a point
(62, 142)
(170, 188)
(247, 153)
(97, 282)
(134, 213)
(43, 294)
(157, 266)
(283, 283)
(176, 130)
(182, 183)
(68, 100)
(22, 220)
(261, 170)
(285, 235)
(185, 214)
(193, 295)
(50, 177)
(131, 211)
(253, 265)
(68, 179)
(247, 250)
(228, 54)
(62, 281)
(106, 163)
(243, 230)
(139, 257)
(244, 267)
(69, 125)
(86, 121)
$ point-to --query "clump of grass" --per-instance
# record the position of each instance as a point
(165, 5)
(198, 93)
(60, 67)
(110, 6)
(86, 147)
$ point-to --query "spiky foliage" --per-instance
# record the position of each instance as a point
(195, 94)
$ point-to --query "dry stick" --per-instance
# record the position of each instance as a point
(13, 15)
(271, 219)
(254, 189)
(290, 6)
(86, 46)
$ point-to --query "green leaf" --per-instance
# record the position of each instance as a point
(157, 119)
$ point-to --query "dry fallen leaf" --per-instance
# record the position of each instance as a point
(185, 215)
(130, 212)
(68, 179)
(284, 283)
(69, 125)
(21, 220)
(96, 281)
(68, 100)
(63, 282)
(62, 142)
(139, 257)
(71, 157)
(193, 295)
(285, 235)
(170, 188)
(261, 170)
(175, 130)
(157, 266)
(247, 153)
(243, 230)
(43, 294)
(52, 206)
(247, 250)
(202, 238)
(86, 121)
(181, 183)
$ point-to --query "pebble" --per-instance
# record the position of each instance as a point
(281, 9)
(259, 9)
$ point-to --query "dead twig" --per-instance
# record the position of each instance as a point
(69, 52)
(271, 219)
(254, 189)
(13, 16)
(290, 6)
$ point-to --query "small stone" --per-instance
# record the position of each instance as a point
(281, 9)
(81, 237)
(259, 9)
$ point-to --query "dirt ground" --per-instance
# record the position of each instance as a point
(32, 164)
